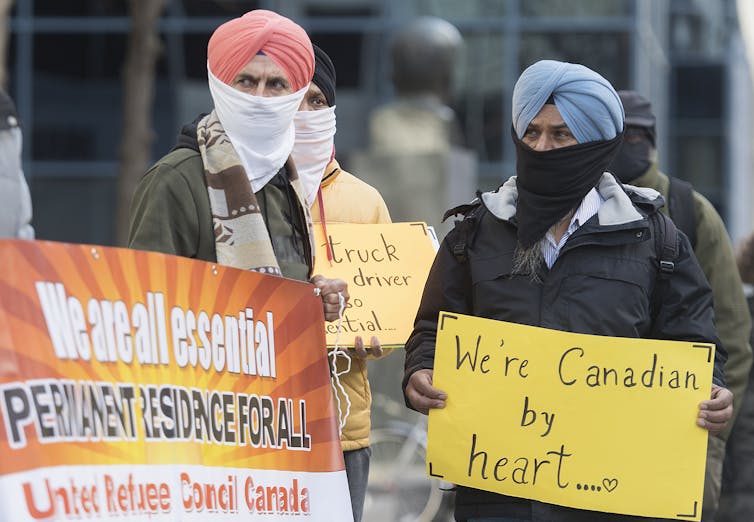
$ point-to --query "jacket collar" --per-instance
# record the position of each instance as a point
(617, 209)
(331, 172)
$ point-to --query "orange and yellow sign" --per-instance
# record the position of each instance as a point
(144, 385)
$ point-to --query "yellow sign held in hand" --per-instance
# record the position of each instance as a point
(599, 423)
(385, 267)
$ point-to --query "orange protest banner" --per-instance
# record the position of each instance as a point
(144, 385)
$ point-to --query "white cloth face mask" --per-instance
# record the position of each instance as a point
(315, 137)
(259, 127)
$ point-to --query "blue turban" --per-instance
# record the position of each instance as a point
(587, 102)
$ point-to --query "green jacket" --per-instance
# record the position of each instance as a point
(715, 254)
(170, 210)
(170, 213)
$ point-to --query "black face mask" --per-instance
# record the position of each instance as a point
(552, 183)
(632, 160)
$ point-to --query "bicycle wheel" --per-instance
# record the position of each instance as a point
(399, 489)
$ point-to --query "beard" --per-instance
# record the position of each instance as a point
(529, 261)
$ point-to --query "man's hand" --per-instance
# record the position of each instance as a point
(362, 352)
(328, 291)
(421, 394)
(715, 413)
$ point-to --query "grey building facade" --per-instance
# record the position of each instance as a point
(687, 56)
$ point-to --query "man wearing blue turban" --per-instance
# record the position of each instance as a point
(564, 245)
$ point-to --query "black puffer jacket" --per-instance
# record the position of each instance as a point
(601, 283)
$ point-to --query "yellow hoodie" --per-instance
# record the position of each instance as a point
(347, 199)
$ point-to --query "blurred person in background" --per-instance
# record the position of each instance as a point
(636, 164)
(415, 156)
(335, 196)
(549, 230)
(228, 192)
(15, 200)
(737, 495)
(425, 54)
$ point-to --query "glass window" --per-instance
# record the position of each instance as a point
(10, 66)
(195, 55)
(697, 115)
(698, 159)
(698, 91)
(80, 8)
(78, 89)
(700, 28)
(606, 53)
(84, 72)
(175, 110)
(581, 8)
(89, 220)
(480, 80)
(331, 9)
(482, 64)
(80, 56)
(220, 8)
(345, 50)
(453, 9)
(481, 120)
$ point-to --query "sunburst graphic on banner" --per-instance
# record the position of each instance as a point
(134, 332)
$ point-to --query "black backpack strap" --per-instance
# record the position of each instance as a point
(681, 207)
(460, 209)
(462, 235)
(666, 248)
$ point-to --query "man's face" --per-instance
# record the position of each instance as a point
(635, 135)
(262, 77)
(314, 100)
(548, 131)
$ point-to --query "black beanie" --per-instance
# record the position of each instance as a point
(324, 75)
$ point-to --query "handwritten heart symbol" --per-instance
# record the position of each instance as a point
(610, 484)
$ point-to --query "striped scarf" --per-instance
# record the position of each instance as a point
(241, 236)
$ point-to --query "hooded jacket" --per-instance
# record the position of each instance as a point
(601, 283)
(347, 199)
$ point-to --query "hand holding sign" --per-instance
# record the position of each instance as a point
(715, 413)
(328, 290)
(373, 350)
(421, 394)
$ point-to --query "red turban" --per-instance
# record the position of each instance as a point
(236, 42)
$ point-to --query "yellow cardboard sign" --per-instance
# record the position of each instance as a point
(385, 267)
(591, 422)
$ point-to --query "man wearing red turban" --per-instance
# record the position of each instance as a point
(228, 192)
